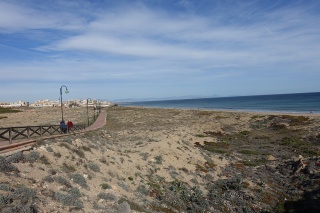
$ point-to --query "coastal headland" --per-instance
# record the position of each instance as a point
(166, 160)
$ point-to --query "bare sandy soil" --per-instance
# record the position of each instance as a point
(167, 160)
(45, 116)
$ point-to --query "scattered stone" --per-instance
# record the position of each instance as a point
(270, 158)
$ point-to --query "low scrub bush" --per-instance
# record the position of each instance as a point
(68, 200)
(80, 180)
(32, 156)
(94, 167)
(16, 158)
(107, 196)
(6, 166)
(68, 168)
(63, 181)
(105, 186)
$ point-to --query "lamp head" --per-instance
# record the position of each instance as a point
(67, 91)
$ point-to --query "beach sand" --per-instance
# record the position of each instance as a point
(166, 160)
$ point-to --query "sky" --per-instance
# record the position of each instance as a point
(136, 49)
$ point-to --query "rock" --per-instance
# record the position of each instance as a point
(270, 158)
(295, 158)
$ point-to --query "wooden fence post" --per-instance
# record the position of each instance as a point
(10, 135)
(28, 132)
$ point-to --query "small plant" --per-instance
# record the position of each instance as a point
(249, 152)
(79, 152)
(144, 155)
(6, 166)
(32, 156)
(5, 187)
(67, 140)
(142, 189)
(158, 159)
(79, 179)
(94, 167)
(105, 186)
(216, 147)
(49, 149)
(124, 207)
(103, 160)
(62, 181)
(20, 199)
(57, 154)
(124, 186)
(8, 110)
(43, 159)
(85, 148)
(65, 146)
(15, 158)
(48, 178)
(68, 168)
(107, 196)
(68, 200)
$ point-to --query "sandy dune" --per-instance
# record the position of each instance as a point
(165, 160)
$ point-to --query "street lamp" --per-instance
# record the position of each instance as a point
(67, 91)
(88, 109)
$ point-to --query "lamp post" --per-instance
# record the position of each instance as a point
(67, 91)
(88, 109)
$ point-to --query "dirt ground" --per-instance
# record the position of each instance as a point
(167, 160)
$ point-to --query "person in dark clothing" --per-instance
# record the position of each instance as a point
(63, 126)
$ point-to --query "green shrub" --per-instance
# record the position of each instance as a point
(8, 110)
(79, 152)
(5, 187)
(107, 196)
(94, 167)
(68, 168)
(80, 180)
(63, 181)
(68, 200)
(15, 158)
(105, 186)
(6, 166)
(49, 149)
(158, 159)
(124, 207)
(32, 156)
(249, 152)
(44, 160)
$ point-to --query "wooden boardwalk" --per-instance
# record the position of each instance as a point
(6, 146)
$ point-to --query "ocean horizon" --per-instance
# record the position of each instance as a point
(290, 103)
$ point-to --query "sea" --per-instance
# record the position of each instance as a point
(287, 103)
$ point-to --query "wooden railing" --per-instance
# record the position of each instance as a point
(29, 132)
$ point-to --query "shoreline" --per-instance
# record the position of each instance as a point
(231, 110)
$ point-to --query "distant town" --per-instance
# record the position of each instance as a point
(57, 103)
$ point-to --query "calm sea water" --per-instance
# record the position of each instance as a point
(293, 103)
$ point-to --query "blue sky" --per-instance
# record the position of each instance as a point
(110, 49)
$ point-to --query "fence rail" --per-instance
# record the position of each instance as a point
(27, 132)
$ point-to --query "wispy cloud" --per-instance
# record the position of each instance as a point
(66, 41)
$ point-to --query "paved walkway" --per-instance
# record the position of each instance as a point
(5, 147)
(100, 122)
